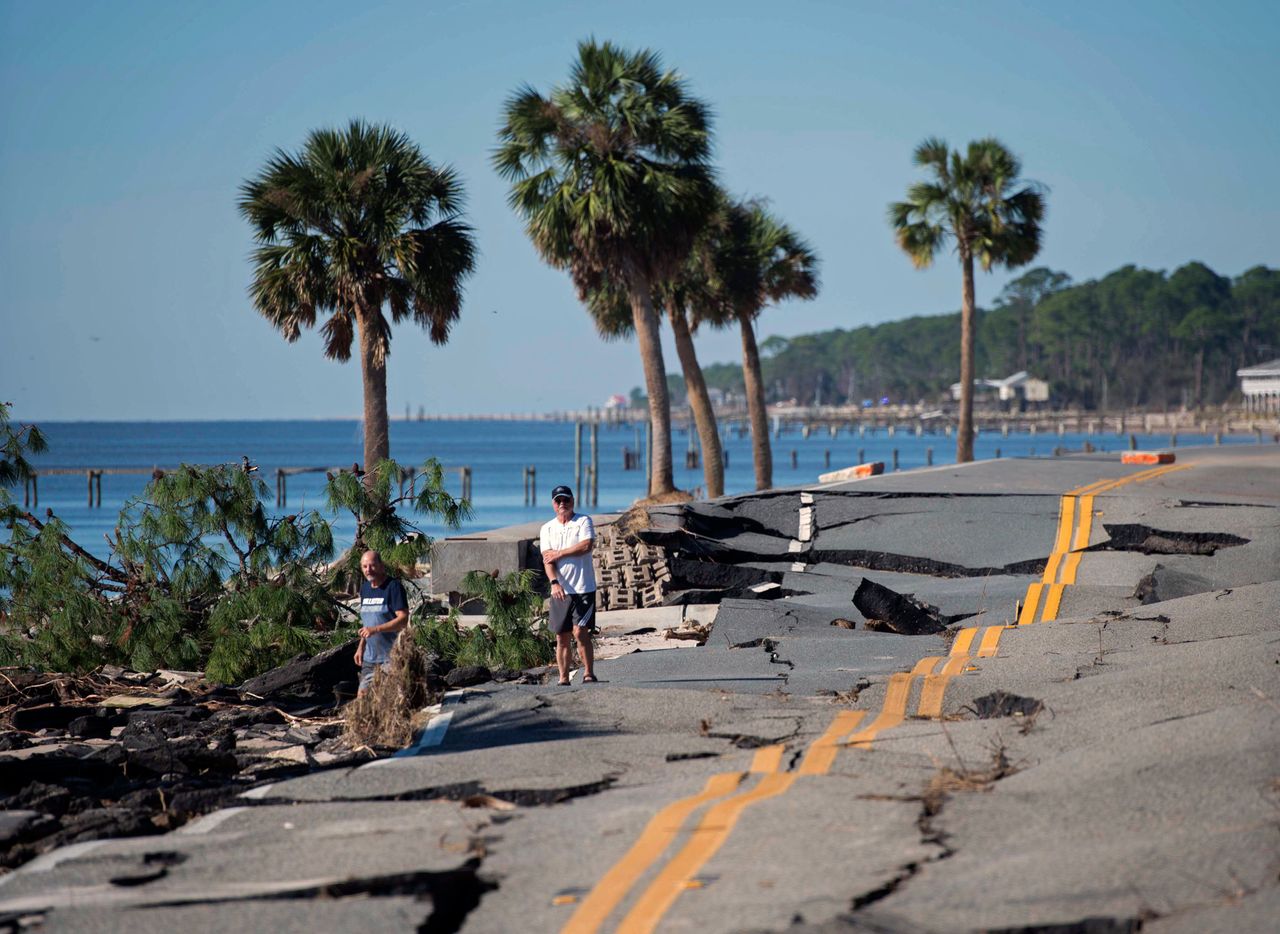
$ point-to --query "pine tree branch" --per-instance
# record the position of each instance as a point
(226, 533)
(102, 567)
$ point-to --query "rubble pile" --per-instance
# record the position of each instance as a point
(630, 574)
(121, 754)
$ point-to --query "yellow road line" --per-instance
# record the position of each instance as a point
(768, 758)
(714, 828)
(964, 639)
(1052, 602)
(822, 753)
(656, 837)
(990, 641)
(936, 684)
(1075, 515)
(1060, 545)
(1085, 524)
(894, 710)
(710, 833)
(1030, 604)
(707, 838)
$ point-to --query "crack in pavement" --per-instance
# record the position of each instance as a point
(459, 791)
(454, 893)
(912, 564)
(1150, 541)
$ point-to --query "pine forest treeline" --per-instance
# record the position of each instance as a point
(1134, 338)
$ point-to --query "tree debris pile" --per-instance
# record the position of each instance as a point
(383, 715)
(118, 753)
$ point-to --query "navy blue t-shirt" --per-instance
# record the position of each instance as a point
(379, 605)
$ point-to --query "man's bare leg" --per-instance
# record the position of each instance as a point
(586, 650)
(564, 654)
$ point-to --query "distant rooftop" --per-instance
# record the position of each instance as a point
(1270, 368)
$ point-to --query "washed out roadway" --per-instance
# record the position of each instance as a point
(794, 775)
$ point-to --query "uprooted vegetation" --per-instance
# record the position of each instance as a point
(118, 753)
(383, 715)
(121, 754)
(199, 575)
(514, 636)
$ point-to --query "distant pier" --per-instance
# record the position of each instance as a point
(93, 478)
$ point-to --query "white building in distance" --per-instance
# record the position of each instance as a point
(1010, 388)
(1260, 385)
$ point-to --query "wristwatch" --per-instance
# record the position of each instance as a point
(554, 582)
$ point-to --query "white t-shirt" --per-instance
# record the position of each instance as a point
(576, 575)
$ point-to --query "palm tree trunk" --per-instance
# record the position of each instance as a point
(373, 375)
(699, 402)
(1199, 374)
(753, 381)
(645, 320)
(964, 440)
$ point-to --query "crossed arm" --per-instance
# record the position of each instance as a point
(552, 555)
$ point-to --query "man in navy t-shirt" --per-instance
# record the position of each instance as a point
(384, 611)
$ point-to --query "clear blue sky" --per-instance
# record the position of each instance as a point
(127, 127)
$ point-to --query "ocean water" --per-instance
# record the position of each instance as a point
(496, 452)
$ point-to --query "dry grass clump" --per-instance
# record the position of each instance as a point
(383, 715)
(632, 522)
(694, 632)
(964, 778)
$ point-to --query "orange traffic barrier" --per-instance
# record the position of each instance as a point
(853, 473)
(1148, 457)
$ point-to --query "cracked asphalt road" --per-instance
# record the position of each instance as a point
(795, 775)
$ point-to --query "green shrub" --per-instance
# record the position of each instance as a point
(515, 635)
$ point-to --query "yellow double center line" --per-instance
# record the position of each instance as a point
(943, 670)
(731, 793)
(727, 794)
(1075, 515)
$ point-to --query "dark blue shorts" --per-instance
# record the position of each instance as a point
(576, 609)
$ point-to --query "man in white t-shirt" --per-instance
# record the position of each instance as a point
(566, 543)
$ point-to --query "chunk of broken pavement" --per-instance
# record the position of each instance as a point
(305, 678)
(467, 675)
(46, 717)
(1003, 704)
(896, 612)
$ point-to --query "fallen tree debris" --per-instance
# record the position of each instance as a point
(306, 678)
(693, 633)
(383, 715)
(121, 754)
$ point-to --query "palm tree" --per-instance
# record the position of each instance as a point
(977, 200)
(611, 312)
(611, 175)
(356, 224)
(756, 260)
